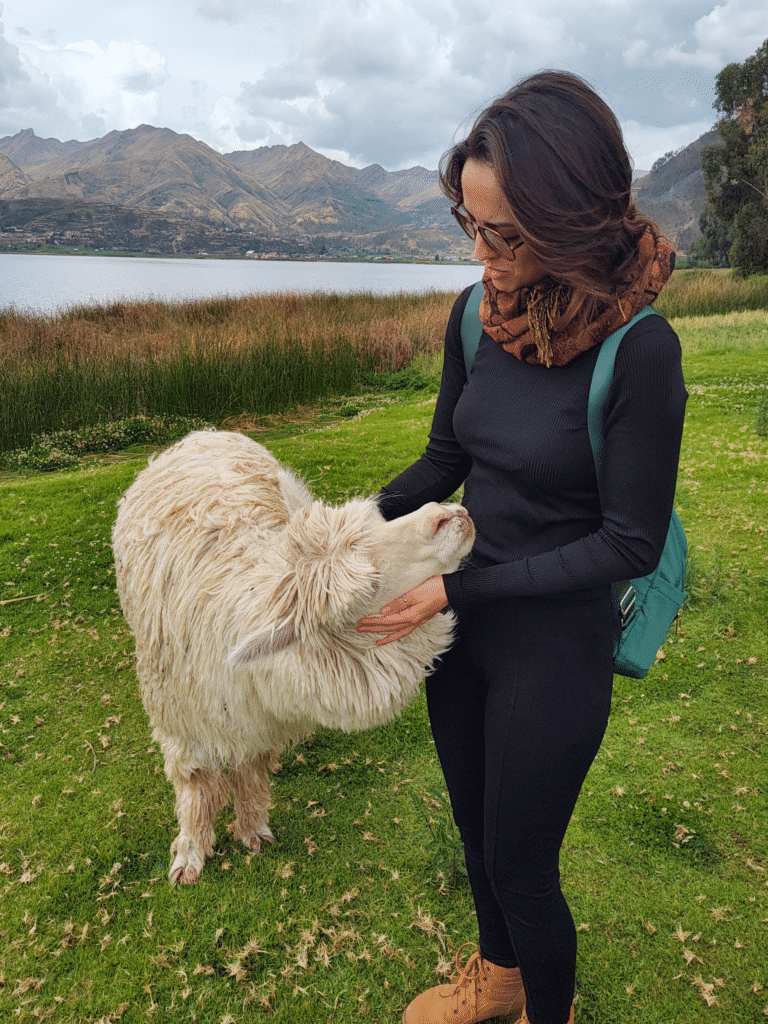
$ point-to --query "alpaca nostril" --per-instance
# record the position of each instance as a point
(448, 515)
(440, 523)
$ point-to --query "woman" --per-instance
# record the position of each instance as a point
(519, 705)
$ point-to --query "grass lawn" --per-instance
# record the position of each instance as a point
(362, 902)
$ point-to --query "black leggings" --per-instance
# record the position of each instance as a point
(518, 709)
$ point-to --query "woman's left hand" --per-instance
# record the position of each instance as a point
(401, 616)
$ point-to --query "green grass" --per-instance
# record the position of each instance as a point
(360, 904)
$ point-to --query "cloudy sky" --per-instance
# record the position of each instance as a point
(363, 81)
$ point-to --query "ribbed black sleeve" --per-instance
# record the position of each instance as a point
(516, 435)
(444, 466)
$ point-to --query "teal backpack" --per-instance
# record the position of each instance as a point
(646, 606)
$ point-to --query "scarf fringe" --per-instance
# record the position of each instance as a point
(544, 306)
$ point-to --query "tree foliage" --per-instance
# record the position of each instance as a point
(735, 219)
(712, 248)
(658, 164)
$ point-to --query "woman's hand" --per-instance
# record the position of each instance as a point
(401, 616)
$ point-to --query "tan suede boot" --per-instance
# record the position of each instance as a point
(480, 990)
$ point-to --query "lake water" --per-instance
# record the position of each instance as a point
(47, 283)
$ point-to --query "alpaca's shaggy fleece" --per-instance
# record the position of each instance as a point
(243, 594)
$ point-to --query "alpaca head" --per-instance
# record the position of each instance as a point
(338, 564)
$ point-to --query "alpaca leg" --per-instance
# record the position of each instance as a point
(251, 786)
(200, 795)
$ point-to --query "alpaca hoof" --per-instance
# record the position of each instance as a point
(187, 863)
(252, 839)
(183, 875)
(264, 836)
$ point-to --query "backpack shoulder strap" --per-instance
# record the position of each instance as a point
(471, 327)
(602, 376)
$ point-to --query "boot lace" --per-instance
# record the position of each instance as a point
(472, 973)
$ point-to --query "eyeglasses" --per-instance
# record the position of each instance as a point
(492, 238)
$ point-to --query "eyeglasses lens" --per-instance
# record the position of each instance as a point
(491, 238)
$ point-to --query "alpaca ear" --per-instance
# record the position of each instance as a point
(294, 491)
(329, 574)
(269, 641)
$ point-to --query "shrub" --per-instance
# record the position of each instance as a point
(63, 449)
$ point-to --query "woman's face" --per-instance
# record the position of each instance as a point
(486, 204)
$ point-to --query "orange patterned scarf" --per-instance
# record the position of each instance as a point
(521, 321)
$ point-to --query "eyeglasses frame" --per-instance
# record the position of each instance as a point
(491, 238)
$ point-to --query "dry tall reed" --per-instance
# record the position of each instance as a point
(385, 331)
(213, 358)
(705, 292)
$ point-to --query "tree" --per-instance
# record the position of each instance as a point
(712, 248)
(658, 164)
(736, 173)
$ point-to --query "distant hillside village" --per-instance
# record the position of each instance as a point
(149, 190)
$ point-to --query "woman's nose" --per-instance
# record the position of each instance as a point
(483, 251)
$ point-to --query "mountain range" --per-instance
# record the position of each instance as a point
(675, 194)
(151, 189)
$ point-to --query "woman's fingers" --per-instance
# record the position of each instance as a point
(400, 617)
(395, 626)
(381, 623)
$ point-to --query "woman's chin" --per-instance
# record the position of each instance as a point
(504, 280)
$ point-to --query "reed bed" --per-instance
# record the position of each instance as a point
(258, 355)
(213, 358)
(709, 292)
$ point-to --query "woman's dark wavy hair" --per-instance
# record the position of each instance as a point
(558, 154)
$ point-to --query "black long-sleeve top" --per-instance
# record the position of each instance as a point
(516, 435)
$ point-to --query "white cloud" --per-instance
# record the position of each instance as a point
(219, 10)
(733, 30)
(351, 87)
(27, 98)
(224, 121)
(647, 142)
(675, 54)
(635, 54)
(728, 32)
(387, 81)
(118, 83)
(288, 82)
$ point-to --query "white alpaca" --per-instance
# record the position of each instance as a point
(243, 594)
